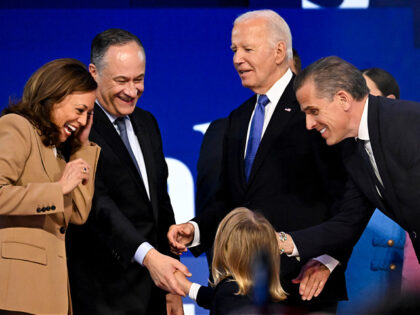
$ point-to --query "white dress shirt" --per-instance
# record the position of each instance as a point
(274, 94)
(364, 135)
(144, 248)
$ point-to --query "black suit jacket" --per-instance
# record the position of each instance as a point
(209, 164)
(394, 131)
(296, 182)
(103, 273)
(222, 300)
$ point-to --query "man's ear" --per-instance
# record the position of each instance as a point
(93, 71)
(280, 52)
(391, 96)
(344, 99)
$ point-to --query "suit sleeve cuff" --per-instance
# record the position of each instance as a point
(196, 240)
(141, 252)
(328, 261)
(195, 287)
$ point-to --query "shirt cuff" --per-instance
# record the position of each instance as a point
(328, 261)
(196, 240)
(142, 251)
(295, 252)
(194, 291)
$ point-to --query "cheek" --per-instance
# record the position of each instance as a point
(55, 117)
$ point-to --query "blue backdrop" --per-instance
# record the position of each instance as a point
(190, 79)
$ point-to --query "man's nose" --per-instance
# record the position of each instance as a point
(237, 58)
(131, 89)
(310, 122)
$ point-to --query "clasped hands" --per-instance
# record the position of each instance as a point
(311, 279)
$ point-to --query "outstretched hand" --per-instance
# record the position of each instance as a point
(312, 279)
(179, 236)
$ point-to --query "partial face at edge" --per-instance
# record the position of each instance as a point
(373, 88)
(121, 78)
(327, 117)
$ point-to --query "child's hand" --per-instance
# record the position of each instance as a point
(183, 282)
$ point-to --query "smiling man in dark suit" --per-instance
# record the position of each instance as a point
(385, 164)
(123, 250)
(272, 164)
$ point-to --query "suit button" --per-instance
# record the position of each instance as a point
(52, 207)
(413, 234)
(62, 230)
(390, 243)
(43, 209)
(48, 208)
(392, 266)
(38, 210)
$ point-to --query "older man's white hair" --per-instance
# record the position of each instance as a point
(278, 28)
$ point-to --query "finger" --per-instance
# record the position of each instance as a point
(303, 284)
(172, 235)
(181, 267)
(320, 288)
(311, 288)
(310, 285)
(176, 251)
(298, 279)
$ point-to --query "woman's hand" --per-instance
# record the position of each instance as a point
(84, 131)
(74, 173)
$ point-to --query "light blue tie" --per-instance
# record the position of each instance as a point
(255, 133)
(120, 122)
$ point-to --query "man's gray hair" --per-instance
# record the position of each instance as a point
(108, 38)
(332, 74)
(278, 28)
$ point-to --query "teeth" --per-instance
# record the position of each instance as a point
(73, 129)
(323, 130)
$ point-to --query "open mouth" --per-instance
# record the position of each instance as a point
(126, 99)
(69, 129)
(323, 130)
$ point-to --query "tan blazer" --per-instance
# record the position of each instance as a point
(34, 216)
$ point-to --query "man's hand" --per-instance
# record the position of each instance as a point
(285, 244)
(179, 236)
(162, 268)
(174, 304)
(312, 279)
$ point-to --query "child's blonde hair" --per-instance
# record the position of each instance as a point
(240, 236)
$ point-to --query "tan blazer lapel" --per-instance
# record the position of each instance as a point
(54, 167)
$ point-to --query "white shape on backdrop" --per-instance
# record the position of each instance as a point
(181, 190)
(201, 127)
(347, 4)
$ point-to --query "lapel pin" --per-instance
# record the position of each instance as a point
(288, 109)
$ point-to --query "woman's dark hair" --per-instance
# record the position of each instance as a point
(385, 82)
(48, 86)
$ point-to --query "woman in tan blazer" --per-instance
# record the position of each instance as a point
(47, 169)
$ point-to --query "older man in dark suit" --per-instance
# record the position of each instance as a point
(123, 250)
(273, 165)
(385, 163)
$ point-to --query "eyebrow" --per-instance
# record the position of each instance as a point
(308, 107)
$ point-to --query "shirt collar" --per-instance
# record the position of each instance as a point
(276, 91)
(363, 126)
(111, 117)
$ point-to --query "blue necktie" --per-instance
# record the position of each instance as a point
(120, 122)
(255, 133)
